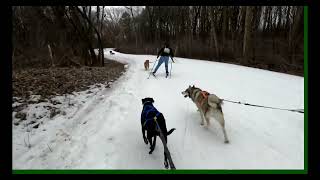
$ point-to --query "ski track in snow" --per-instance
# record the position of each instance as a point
(105, 132)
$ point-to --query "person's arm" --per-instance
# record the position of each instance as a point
(171, 55)
(160, 51)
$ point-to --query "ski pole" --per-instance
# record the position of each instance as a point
(170, 69)
(152, 68)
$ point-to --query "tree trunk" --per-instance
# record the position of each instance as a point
(242, 21)
(99, 61)
(288, 17)
(151, 22)
(274, 24)
(247, 40)
(265, 19)
(50, 54)
(214, 35)
(295, 33)
(89, 13)
(134, 26)
(269, 19)
(279, 26)
(235, 13)
(102, 20)
(224, 26)
(195, 21)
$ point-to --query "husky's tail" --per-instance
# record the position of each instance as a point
(171, 130)
(220, 102)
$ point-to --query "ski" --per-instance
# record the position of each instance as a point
(152, 75)
(168, 76)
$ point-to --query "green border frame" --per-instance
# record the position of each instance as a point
(306, 119)
(186, 171)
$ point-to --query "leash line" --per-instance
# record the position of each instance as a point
(166, 149)
(247, 104)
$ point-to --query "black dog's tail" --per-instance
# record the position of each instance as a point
(171, 130)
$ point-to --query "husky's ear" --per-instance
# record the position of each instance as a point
(189, 86)
(193, 86)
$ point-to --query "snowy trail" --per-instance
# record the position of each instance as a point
(106, 132)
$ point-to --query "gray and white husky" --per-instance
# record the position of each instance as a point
(208, 105)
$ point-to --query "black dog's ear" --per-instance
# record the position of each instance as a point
(143, 100)
(152, 100)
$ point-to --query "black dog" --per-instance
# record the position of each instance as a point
(149, 124)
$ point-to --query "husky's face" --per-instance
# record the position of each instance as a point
(187, 92)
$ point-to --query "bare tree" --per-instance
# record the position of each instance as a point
(247, 41)
(214, 34)
(225, 20)
(100, 60)
(130, 8)
(296, 32)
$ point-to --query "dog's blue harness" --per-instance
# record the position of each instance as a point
(148, 109)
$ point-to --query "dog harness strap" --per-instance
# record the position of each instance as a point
(205, 95)
(148, 119)
(151, 109)
(155, 120)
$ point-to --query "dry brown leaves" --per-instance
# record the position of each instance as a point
(49, 82)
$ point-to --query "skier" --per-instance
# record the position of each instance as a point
(164, 54)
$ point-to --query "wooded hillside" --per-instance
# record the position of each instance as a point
(268, 37)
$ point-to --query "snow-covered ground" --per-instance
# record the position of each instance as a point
(102, 130)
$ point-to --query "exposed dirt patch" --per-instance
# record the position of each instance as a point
(48, 82)
(36, 85)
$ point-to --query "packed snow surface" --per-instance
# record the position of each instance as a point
(102, 130)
